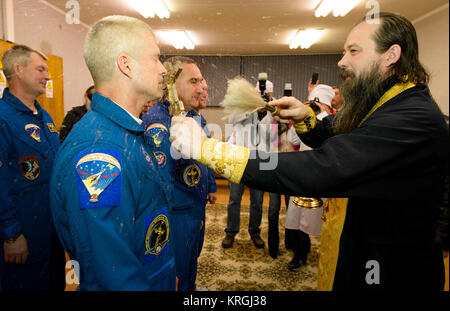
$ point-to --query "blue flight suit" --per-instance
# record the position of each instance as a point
(28, 146)
(192, 182)
(110, 204)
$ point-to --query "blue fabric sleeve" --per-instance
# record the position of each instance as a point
(9, 225)
(212, 187)
(119, 269)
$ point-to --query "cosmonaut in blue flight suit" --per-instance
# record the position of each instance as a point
(28, 146)
(111, 207)
(192, 182)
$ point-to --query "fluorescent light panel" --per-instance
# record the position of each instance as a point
(148, 8)
(306, 38)
(339, 8)
(177, 38)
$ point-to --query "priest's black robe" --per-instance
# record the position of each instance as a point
(391, 169)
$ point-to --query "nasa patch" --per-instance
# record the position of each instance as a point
(161, 158)
(99, 182)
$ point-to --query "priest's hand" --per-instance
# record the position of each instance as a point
(187, 137)
(291, 108)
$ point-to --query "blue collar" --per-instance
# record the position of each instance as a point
(190, 113)
(165, 103)
(115, 113)
(194, 114)
(17, 103)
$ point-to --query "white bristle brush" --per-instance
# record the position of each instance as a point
(242, 97)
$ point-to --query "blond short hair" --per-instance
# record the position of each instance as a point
(17, 54)
(108, 38)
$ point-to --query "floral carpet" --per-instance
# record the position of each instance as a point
(246, 268)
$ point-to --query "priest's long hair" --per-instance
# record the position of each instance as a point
(396, 29)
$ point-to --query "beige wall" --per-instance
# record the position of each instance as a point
(214, 115)
(42, 27)
(432, 34)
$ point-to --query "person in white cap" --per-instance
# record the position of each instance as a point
(322, 95)
(267, 91)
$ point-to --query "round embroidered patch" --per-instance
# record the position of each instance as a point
(192, 175)
(161, 158)
(157, 236)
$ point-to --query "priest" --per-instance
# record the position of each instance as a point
(381, 159)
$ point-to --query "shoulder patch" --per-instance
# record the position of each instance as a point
(34, 131)
(99, 182)
(157, 132)
(52, 128)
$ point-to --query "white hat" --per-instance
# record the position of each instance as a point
(269, 86)
(323, 92)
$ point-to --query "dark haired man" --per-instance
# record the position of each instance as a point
(337, 100)
(76, 113)
(383, 171)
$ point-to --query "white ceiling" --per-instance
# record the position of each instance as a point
(251, 27)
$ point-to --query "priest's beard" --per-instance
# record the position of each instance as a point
(360, 94)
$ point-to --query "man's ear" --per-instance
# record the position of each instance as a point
(17, 70)
(125, 65)
(392, 55)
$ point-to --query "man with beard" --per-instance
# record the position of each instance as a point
(381, 159)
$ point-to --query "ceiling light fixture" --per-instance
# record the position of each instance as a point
(179, 39)
(306, 38)
(339, 8)
(149, 8)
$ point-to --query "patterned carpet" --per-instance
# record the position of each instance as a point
(246, 268)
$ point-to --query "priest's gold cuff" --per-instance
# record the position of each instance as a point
(227, 160)
(306, 124)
